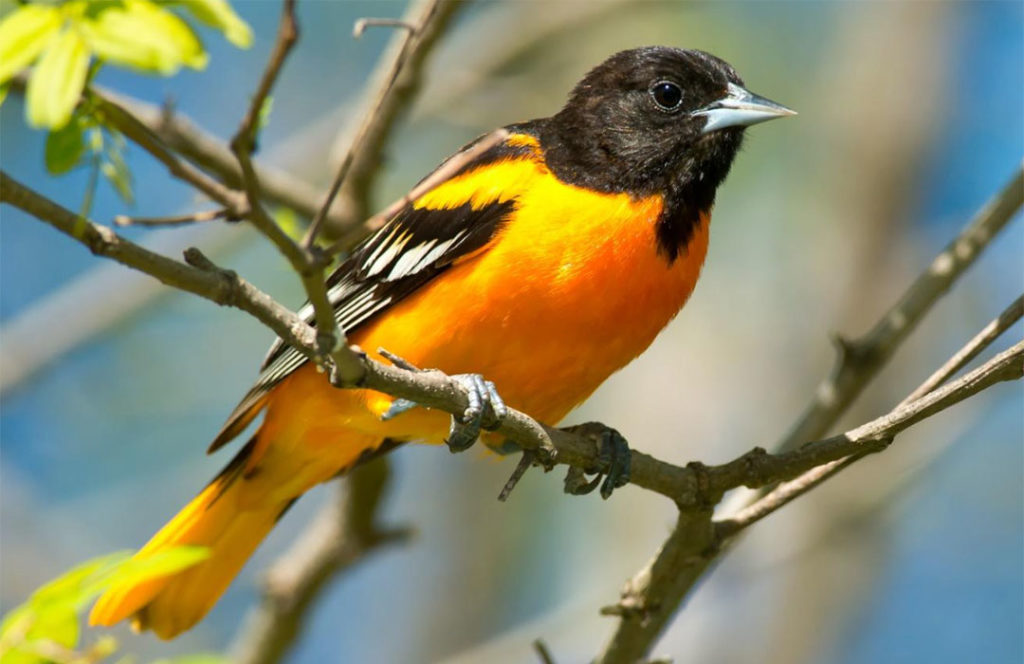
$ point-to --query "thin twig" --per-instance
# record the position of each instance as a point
(332, 352)
(129, 125)
(542, 651)
(442, 173)
(340, 536)
(181, 134)
(368, 120)
(177, 220)
(788, 491)
(220, 286)
(693, 545)
(972, 348)
(394, 83)
(525, 462)
(1008, 365)
(860, 360)
(360, 26)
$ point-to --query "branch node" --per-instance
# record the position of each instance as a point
(360, 26)
(630, 607)
(196, 258)
(542, 652)
(525, 462)
(396, 360)
(705, 496)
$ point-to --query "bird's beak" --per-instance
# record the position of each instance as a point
(740, 108)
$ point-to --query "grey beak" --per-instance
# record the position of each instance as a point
(740, 108)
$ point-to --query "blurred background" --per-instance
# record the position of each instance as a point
(910, 119)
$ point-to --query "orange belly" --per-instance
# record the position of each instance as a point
(564, 296)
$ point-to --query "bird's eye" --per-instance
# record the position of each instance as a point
(667, 95)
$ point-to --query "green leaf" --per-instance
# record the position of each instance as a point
(141, 35)
(64, 147)
(51, 613)
(4, 89)
(23, 36)
(117, 173)
(220, 15)
(159, 564)
(263, 118)
(56, 84)
(78, 585)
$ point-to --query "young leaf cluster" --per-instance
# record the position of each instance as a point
(66, 43)
(47, 627)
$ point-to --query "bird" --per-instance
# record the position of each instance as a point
(537, 269)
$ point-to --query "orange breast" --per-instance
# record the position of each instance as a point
(568, 292)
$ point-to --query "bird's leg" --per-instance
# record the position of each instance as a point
(613, 461)
(485, 409)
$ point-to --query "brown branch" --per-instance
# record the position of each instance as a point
(788, 491)
(341, 535)
(213, 155)
(860, 360)
(177, 220)
(649, 600)
(332, 351)
(690, 487)
(543, 653)
(972, 348)
(428, 184)
(220, 286)
(395, 81)
(138, 133)
(653, 595)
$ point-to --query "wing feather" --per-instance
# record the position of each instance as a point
(409, 251)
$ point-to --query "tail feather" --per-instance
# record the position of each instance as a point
(231, 529)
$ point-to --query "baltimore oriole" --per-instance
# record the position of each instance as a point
(545, 264)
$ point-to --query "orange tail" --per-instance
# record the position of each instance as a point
(217, 519)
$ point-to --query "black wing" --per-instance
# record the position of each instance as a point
(409, 251)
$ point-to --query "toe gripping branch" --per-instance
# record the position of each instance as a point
(613, 461)
(485, 409)
(484, 401)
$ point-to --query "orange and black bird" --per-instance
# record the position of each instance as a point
(545, 264)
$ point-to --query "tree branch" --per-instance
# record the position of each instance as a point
(860, 360)
(309, 267)
(220, 286)
(129, 125)
(340, 536)
(651, 598)
(971, 349)
(690, 487)
(788, 491)
(213, 155)
(396, 80)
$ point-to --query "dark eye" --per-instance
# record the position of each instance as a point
(667, 95)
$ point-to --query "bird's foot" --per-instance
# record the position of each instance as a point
(613, 463)
(485, 410)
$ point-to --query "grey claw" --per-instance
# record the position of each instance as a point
(498, 407)
(614, 462)
(615, 449)
(482, 396)
(576, 483)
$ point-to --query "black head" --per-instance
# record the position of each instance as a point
(654, 120)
